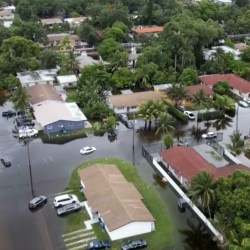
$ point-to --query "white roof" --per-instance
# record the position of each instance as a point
(50, 111)
(11, 7)
(36, 76)
(84, 60)
(7, 24)
(66, 79)
(209, 53)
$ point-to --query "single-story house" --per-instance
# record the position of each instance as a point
(41, 93)
(85, 60)
(147, 29)
(186, 162)
(193, 89)
(76, 21)
(51, 21)
(6, 15)
(238, 85)
(56, 117)
(209, 53)
(115, 202)
(55, 39)
(240, 46)
(67, 80)
(10, 7)
(30, 78)
(129, 102)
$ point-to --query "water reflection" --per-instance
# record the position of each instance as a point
(196, 237)
(159, 180)
(223, 123)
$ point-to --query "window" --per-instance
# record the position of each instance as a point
(49, 127)
(71, 124)
(133, 107)
(120, 107)
(60, 125)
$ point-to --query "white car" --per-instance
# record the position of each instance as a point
(87, 150)
(27, 132)
(247, 100)
(65, 199)
(190, 115)
(209, 135)
(243, 104)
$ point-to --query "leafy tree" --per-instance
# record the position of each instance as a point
(20, 99)
(88, 34)
(236, 146)
(115, 33)
(8, 81)
(69, 63)
(221, 87)
(49, 59)
(19, 54)
(202, 188)
(168, 141)
(224, 103)
(24, 10)
(108, 48)
(123, 77)
(110, 123)
(4, 33)
(245, 55)
(189, 76)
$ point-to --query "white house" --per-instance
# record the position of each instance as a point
(67, 80)
(209, 53)
(129, 101)
(76, 21)
(29, 78)
(115, 201)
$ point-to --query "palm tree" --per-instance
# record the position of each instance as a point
(200, 98)
(66, 44)
(177, 91)
(164, 125)
(223, 123)
(20, 99)
(146, 111)
(71, 64)
(236, 146)
(159, 108)
(202, 190)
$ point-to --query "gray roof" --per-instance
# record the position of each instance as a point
(50, 111)
(36, 76)
(85, 60)
(109, 193)
(66, 79)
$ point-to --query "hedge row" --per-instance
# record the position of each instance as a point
(177, 114)
(212, 115)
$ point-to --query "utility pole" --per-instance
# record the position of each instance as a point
(27, 142)
(237, 118)
(133, 139)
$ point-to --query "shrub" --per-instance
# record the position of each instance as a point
(177, 114)
(212, 115)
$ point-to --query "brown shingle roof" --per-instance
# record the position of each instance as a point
(234, 81)
(192, 90)
(108, 192)
(134, 99)
(49, 21)
(151, 29)
(240, 46)
(42, 92)
(187, 162)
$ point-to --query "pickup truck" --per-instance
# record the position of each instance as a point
(27, 132)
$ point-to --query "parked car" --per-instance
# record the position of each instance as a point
(247, 100)
(24, 121)
(181, 108)
(37, 202)
(9, 113)
(133, 244)
(65, 199)
(209, 135)
(190, 115)
(73, 207)
(27, 132)
(182, 142)
(122, 117)
(182, 204)
(87, 150)
(129, 124)
(98, 244)
(243, 104)
(6, 162)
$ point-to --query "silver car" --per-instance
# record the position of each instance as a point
(68, 208)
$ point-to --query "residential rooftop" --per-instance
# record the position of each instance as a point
(110, 194)
(147, 29)
(50, 21)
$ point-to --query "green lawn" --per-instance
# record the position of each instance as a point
(159, 239)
